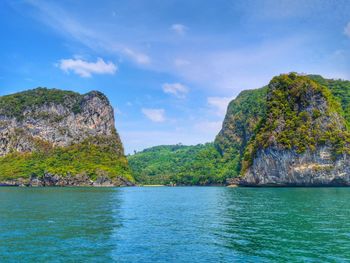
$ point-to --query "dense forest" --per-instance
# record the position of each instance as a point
(177, 164)
(88, 157)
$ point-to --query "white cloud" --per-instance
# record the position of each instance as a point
(155, 115)
(231, 70)
(86, 69)
(212, 66)
(179, 62)
(88, 34)
(179, 29)
(219, 104)
(347, 30)
(139, 58)
(177, 89)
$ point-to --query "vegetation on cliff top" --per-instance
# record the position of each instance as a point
(244, 116)
(14, 105)
(301, 115)
(95, 156)
(250, 123)
(340, 90)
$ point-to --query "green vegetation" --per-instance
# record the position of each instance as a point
(95, 156)
(15, 104)
(301, 115)
(83, 158)
(293, 112)
(340, 89)
(243, 118)
(177, 164)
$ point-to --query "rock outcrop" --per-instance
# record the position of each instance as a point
(59, 123)
(276, 167)
(45, 127)
(300, 139)
(304, 140)
(243, 117)
(68, 180)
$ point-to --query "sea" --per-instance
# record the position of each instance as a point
(174, 224)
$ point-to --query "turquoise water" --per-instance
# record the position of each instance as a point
(179, 224)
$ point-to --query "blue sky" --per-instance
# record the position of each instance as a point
(169, 68)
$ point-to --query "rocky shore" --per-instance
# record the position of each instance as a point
(56, 180)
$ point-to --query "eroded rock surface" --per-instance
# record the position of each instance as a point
(304, 140)
(35, 123)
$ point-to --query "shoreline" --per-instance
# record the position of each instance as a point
(157, 186)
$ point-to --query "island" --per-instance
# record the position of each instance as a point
(51, 137)
(292, 132)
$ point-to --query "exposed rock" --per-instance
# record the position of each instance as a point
(243, 117)
(77, 180)
(64, 126)
(58, 124)
(293, 132)
(273, 167)
(304, 140)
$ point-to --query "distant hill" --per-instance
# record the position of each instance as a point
(177, 164)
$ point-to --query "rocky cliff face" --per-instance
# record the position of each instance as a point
(44, 121)
(58, 124)
(277, 167)
(243, 117)
(303, 140)
(292, 132)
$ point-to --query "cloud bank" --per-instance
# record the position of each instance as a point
(179, 29)
(85, 69)
(177, 89)
(155, 115)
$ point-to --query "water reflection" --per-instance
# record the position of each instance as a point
(176, 224)
(168, 225)
(58, 224)
(287, 223)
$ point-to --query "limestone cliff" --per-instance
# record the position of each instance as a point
(48, 128)
(243, 117)
(298, 137)
(304, 139)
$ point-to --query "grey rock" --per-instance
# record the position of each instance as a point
(276, 167)
(58, 125)
(49, 179)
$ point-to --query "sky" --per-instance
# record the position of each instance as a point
(169, 68)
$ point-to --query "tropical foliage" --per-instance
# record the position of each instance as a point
(177, 164)
(302, 114)
(340, 90)
(82, 158)
(243, 118)
(14, 105)
(250, 123)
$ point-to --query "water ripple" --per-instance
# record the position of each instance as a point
(183, 224)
